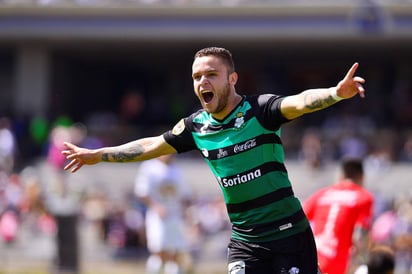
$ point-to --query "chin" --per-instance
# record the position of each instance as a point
(208, 109)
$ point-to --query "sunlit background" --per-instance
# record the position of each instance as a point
(103, 72)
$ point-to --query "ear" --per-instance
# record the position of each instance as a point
(233, 78)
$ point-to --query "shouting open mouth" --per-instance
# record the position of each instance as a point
(207, 96)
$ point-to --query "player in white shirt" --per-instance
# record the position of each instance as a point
(160, 186)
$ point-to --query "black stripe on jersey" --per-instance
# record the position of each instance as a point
(279, 224)
(260, 201)
(230, 150)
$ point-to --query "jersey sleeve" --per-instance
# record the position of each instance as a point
(180, 137)
(270, 115)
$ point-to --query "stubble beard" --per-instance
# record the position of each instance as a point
(222, 100)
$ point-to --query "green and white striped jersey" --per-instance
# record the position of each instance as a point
(245, 153)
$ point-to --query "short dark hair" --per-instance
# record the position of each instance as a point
(222, 53)
(381, 260)
(352, 168)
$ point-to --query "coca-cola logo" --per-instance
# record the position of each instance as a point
(245, 146)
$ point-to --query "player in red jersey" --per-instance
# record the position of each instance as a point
(340, 216)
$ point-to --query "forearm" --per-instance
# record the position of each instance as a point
(139, 150)
(308, 101)
(317, 99)
(129, 152)
(361, 243)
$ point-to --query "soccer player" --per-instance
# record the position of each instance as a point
(340, 215)
(239, 138)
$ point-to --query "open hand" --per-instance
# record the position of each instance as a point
(79, 156)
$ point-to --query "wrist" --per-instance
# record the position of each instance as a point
(334, 94)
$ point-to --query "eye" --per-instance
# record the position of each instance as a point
(196, 77)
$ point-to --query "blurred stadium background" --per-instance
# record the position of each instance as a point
(121, 69)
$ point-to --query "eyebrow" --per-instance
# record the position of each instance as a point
(206, 71)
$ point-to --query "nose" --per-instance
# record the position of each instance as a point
(203, 79)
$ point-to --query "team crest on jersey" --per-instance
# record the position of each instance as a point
(179, 127)
(240, 120)
(294, 270)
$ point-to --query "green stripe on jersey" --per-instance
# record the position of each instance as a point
(269, 213)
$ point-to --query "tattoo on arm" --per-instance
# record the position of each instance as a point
(105, 157)
(317, 101)
(127, 155)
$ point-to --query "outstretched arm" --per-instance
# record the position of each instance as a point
(316, 99)
(139, 150)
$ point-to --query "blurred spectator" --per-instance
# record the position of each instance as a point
(383, 226)
(311, 148)
(340, 216)
(14, 193)
(160, 186)
(63, 201)
(9, 225)
(381, 260)
(208, 220)
(34, 212)
(39, 132)
(8, 146)
(58, 135)
(95, 209)
(211, 216)
(123, 226)
(406, 151)
(10, 217)
(352, 145)
(130, 115)
(131, 107)
(4, 179)
(394, 227)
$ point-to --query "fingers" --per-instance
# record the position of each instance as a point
(74, 165)
(76, 168)
(70, 165)
(361, 90)
(70, 153)
(356, 80)
(69, 146)
(351, 71)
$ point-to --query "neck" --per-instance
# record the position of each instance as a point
(231, 105)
